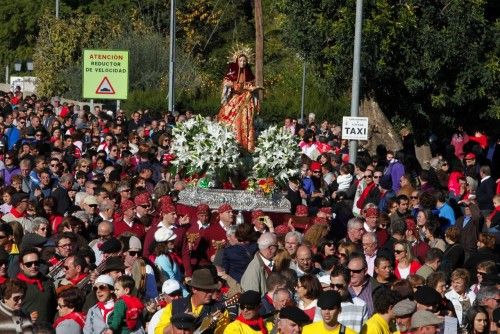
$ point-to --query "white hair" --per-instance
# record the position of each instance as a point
(294, 234)
(266, 239)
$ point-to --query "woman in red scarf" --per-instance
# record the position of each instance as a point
(69, 306)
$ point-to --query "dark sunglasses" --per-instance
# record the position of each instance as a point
(414, 197)
(398, 251)
(17, 299)
(329, 244)
(248, 307)
(100, 288)
(356, 271)
(338, 286)
(146, 206)
(32, 264)
(133, 253)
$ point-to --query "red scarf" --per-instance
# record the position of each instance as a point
(493, 213)
(76, 280)
(365, 194)
(16, 213)
(78, 317)
(254, 323)
(105, 311)
(32, 281)
(3, 280)
(175, 258)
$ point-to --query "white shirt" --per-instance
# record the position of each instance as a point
(267, 262)
(201, 226)
(370, 260)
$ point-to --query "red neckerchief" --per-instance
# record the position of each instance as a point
(76, 280)
(254, 323)
(175, 258)
(16, 213)
(105, 311)
(3, 280)
(32, 281)
(492, 214)
(78, 317)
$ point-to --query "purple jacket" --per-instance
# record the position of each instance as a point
(8, 173)
(396, 170)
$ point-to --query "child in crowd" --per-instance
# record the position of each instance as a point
(126, 317)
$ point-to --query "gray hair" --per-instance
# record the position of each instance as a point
(106, 204)
(486, 292)
(266, 239)
(353, 222)
(294, 234)
(82, 215)
(472, 184)
(284, 291)
(79, 197)
(35, 224)
(66, 178)
(371, 235)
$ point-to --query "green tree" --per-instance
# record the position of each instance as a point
(431, 62)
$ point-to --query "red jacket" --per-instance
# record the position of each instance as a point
(414, 267)
(137, 229)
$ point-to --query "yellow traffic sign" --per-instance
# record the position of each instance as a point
(105, 74)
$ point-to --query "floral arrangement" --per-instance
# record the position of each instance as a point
(204, 148)
(276, 156)
(264, 185)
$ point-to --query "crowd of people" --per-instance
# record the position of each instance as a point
(93, 239)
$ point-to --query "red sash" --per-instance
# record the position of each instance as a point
(78, 317)
(254, 323)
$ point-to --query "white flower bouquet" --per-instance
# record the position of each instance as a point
(276, 155)
(204, 148)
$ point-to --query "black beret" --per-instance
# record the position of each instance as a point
(250, 297)
(329, 299)
(32, 240)
(427, 296)
(110, 246)
(113, 263)
(295, 314)
(183, 321)
(18, 198)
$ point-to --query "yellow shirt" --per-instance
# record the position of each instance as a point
(167, 315)
(318, 327)
(237, 327)
(376, 325)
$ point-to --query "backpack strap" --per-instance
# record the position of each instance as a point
(342, 329)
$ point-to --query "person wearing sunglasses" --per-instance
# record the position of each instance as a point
(360, 285)
(97, 315)
(69, 308)
(40, 299)
(249, 321)
(12, 318)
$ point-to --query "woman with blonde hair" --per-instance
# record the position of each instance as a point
(315, 234)
(460, 295)
(344, 251)
(405, 263)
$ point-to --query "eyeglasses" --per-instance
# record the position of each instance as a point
(377, 176)
(342, 255)
(65, 246)
(248, 307)
(60, 305)
(414, 197)
(133, 253)
(7, 157)
(398, 251)
(54, 165)
(368, 176)
(356, 271)
(43, 229)
(336, 286)
(38, 135)
(30, 264)
(329, 244)
(145, 206)
(100, 288)
(17, 299)
(444, 164)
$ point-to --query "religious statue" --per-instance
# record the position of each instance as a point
(239, 100)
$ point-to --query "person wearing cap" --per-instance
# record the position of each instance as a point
(216, 232)
(18, 211)
(330, 304)
(425, 322)
(166, 260)
(132, 255)
(170, 290)
(195, 246)
(383, 304)
(249, 321)
(183, 323)
(128, 221)
(371, 213)
(258, 270)
(200, 303)
(97, 315)
(430, 299)
(168, 217)
(471, 167)
(403, 311)
(261, 222)
(114, 266)
(291, 320)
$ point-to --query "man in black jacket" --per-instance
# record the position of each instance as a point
(485, 191)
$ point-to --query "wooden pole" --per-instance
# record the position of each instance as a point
(259, 47)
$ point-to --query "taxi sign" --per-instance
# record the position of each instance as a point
(105, 74)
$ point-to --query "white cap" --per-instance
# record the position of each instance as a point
(104, 279)
(164, 234)
(170, 285)
(134, 243)
(90, 200)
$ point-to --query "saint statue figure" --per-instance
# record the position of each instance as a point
(239, 100)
